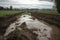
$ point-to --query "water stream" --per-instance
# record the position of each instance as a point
(43, 30)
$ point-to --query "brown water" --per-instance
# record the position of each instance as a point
(43, 30)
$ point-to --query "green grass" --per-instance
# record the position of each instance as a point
(11, 12)
(49, 12)
(7, 12)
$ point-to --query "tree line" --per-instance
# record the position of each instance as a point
(2, 8)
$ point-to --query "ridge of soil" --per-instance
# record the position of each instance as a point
(49, 18)
(6, 21)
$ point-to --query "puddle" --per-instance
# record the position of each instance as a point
(43, 31)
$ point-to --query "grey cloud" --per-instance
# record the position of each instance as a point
(7, 3)
(4, 0)
(46, 0)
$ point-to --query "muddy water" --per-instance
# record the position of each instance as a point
(42, 30)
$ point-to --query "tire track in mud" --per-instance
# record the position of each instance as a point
(28, 28)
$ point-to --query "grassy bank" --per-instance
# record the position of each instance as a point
(7, 12)
(46, 12)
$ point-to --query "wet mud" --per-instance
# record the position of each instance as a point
(49, 18)
(53, 21)
(27, 27)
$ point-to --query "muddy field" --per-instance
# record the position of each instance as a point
(49, 18)
(53, 21)
(26, 33)
(6, 21)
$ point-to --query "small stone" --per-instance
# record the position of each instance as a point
(49, 38)
(12, 28)
(24, 16)
(17, 24)
(39, 30)
(44, 35)
(23, 25)
(45, 30)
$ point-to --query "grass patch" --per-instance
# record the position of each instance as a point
(46, 12)
(7, 12)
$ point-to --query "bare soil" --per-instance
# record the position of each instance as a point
(49, 18)
(28, 34)
(6, 21)
(53, 21)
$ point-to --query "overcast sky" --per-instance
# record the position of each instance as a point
(27, 3)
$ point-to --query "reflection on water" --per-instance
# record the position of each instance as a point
(43, 31)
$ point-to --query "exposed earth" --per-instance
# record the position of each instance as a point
(28, 27)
